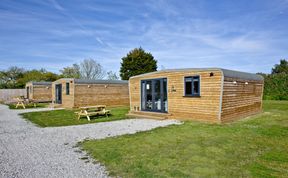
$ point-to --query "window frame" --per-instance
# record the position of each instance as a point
(67, 88)
(192, 83)
(141, 98)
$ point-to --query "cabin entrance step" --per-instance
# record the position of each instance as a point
(149, 115)
(54, 105)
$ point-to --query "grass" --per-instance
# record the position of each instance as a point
(254, 147)
(27, 106)
(67, 117)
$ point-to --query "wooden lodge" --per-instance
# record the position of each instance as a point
(208, 94)
(72, 93)
(39, 91)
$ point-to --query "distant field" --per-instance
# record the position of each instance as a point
(254, 147)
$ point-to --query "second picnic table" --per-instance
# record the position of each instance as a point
(22, 101)
(88, 111)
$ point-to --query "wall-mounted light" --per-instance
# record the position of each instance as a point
(234, 82)
(246, 83)
(47, 87)
(89, 86)
(106, 86)
(135, 108)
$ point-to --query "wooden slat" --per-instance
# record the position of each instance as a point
(240, 99)
(40, 92)
(205, 107)
(93, 94)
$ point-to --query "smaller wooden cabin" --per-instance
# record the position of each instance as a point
(40, 91)
(73, 93)
(207, 94)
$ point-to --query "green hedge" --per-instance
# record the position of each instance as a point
(276, 87)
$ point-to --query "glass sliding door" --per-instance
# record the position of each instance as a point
(143, 95)
(148, 94)
(157, 95)
(154, 95)
(58, 93)
(27, 91)
(165, 99)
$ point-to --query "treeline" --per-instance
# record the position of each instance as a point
(276, 83)
(15, 77)
(137, 61)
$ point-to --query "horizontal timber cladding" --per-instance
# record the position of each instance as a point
(88, 94)
(206, 107)
(241, 98)
(39, 92)
(98, 94)
(67, 100)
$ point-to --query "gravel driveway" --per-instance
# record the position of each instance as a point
(30, 151)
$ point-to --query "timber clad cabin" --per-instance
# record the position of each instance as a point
(208, 94)
(40, 91)
(72, 93)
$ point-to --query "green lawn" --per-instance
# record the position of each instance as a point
(255, 147)
(67, 117)
(39, 105)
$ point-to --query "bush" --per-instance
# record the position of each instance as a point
(276, 87)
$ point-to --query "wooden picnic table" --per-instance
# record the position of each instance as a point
(20, 101)
(88, 111)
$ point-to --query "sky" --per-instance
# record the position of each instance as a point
(246, 35)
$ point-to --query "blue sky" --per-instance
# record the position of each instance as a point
(246, 35)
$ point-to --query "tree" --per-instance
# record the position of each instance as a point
(50, 76)
(276, 87)
(2, 79)
(137, 62)
(13, 73)
(8, 78)
(32, 75)
(276, 83)
(280, 68)
(71, 72)
(15, 77)
(112, 75)
(91, 69)
(37, 76)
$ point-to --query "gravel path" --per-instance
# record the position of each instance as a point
(30, 151)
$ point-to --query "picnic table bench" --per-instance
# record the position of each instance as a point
(35, 102)
(22, 101)
(88, 111)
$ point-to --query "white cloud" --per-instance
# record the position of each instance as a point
(57, 5)
(178, 34)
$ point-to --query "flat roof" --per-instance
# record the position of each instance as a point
(226, 73)
(87, 81)
(241, 75)
(40, 83)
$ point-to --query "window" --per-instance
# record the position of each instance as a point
(188, 85)
(67, 89)
(192, 86)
